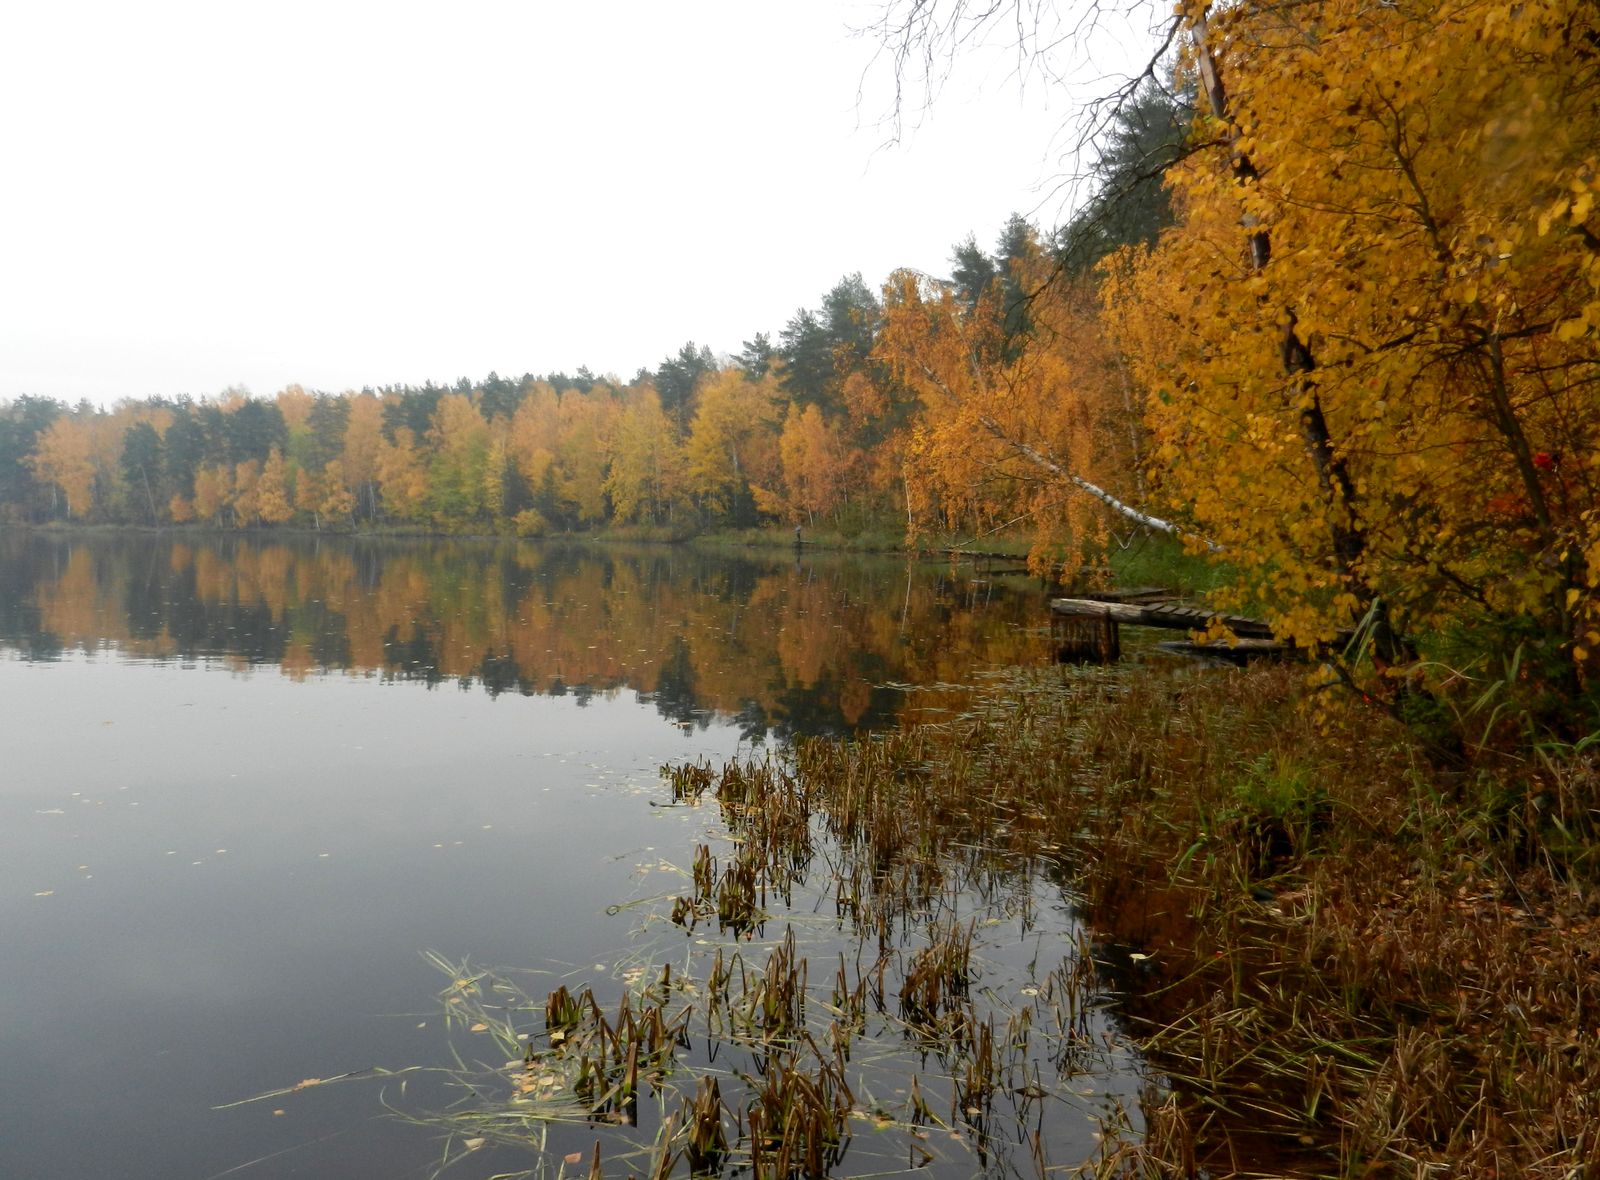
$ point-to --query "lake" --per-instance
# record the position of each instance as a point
(269, 808)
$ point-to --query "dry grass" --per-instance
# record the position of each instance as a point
(1385, 968)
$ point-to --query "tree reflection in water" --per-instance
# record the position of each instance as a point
(784, 647)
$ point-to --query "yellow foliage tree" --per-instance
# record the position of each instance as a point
(272, 491)
(458, 440)
(213, 483)
(1372, 339)
(818, 464)
(64, 456)
(535, 427)
(337, 500)
(646, 477)
(363, 441)
(245, 499)
(732, 446)
(587, 425)
(294, 403)
(401, 475)
(1040, 427)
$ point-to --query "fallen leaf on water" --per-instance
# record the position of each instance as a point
(479, 1027)
(575, 1157)
(473, 1144)
(278, 1113)
(307, 1083)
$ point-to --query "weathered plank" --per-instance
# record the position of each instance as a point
(1168, 615)
(1242, 652)
(1149, 595)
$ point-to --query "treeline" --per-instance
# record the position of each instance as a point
(829, 423)
(810, 428)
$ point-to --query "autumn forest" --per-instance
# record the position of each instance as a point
(689, 773)
(1330, 314)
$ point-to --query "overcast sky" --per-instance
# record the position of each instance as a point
(341, 194)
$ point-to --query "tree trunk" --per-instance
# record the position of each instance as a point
(1038, 458)
(1333, 476)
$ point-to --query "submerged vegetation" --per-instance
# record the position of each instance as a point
(890, 1025)
(1335, 958)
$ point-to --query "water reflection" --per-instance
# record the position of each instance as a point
(215, 885)
(781, 646)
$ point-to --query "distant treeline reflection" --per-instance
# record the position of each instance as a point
(782, 646)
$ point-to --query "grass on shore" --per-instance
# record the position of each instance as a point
(1349, 962)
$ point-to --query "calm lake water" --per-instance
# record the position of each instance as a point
(245, 787)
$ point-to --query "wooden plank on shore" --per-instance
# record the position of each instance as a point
(1168, 615)
(1137, 594)
(1239, 653)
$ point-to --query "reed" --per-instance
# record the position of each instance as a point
(1338, 958)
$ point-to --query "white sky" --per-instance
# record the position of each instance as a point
(198, 195)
